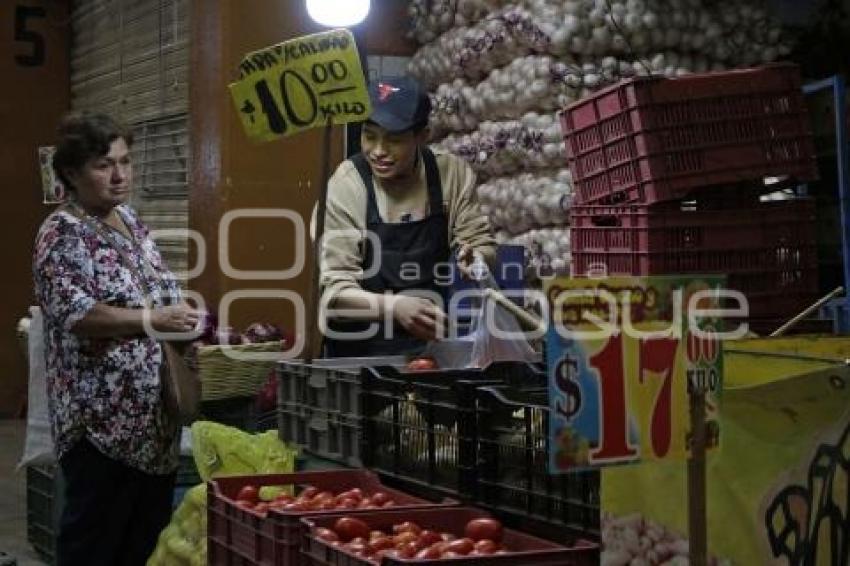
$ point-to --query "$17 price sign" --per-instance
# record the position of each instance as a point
(624, 398)
(300, 84)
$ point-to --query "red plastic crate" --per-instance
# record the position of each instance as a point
(767, 249)
(654, 139)
(240, 537)
(526, 550)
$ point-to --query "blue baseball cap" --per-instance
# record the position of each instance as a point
(399, 104)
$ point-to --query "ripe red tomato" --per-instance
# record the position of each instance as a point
(323, 495)
(380, 543)
(325, 534)
(486, 546)
(422, 363)
(484, 528)
(325, 505)
(379, 498)
(347, 503)
(407, 550)
(461, 546)
(355, 493)
(407, 526)
(349, 528)
(429, 537)
(404, 538)
(248, 493)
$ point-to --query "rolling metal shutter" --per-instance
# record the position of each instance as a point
(129, 58)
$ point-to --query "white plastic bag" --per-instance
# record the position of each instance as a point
(38, 448)
(498, 337)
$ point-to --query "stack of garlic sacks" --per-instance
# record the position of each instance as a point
(499, 70)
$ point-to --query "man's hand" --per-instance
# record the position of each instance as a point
(422, 318)
(468, 262)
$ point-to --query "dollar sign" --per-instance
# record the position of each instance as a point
(565, 381)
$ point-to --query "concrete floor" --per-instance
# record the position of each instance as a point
(13, 500)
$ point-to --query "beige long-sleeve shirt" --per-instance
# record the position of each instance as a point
(346, 215)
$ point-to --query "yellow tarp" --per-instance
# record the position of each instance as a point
(785, 436)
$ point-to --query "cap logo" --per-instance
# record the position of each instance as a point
(385, 90)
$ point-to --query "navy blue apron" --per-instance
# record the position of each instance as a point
(422, 242)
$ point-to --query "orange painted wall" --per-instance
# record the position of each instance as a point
(34, 66)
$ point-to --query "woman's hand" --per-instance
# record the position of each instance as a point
(175, 318)
(422, 318)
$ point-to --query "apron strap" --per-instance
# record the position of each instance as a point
(432, 178)
(362, 166)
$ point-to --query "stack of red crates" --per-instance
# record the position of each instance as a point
(668, 173)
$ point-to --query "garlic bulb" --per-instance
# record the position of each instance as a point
(529, 200)
(547, 250)
(506, 147)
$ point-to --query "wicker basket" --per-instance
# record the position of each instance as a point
(232, 371)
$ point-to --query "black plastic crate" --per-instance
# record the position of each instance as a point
(512, 461)
(45, 499)
(187, 472)
(319, 405)
(327, 384)
(330, 435)
(419, 428)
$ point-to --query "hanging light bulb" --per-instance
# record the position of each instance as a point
(338, 13)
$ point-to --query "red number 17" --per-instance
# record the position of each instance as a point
(657, 356)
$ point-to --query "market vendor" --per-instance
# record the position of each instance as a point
(419, 208)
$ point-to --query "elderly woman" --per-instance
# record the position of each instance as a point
(103, 288)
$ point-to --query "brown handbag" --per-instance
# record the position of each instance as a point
(180, 384)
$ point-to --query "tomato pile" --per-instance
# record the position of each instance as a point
(312, 498)
(408, 540)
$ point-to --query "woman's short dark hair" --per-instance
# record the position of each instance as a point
(84, 136)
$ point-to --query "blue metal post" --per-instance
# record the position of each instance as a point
(841, 306)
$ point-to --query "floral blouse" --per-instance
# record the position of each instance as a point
(106, 390)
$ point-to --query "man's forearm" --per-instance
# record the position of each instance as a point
(357, 304)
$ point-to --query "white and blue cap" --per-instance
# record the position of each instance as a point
(399, 104)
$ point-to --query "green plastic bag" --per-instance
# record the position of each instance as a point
(218, 450)
(221, 450)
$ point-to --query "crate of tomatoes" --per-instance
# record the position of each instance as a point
(256, 519)
(463, 535)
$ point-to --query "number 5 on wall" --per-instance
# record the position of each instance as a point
(36, 57)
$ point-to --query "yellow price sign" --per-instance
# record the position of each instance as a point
(300, 84)
(620, 392)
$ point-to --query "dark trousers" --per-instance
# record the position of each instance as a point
(113, 513)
